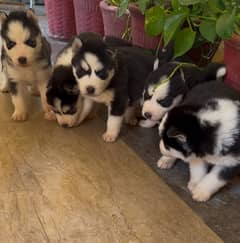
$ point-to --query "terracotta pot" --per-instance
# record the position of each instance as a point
(113, 25)
(232, 61)
(88, 16)
(139, 36)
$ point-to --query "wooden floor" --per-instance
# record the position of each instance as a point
(67, 185)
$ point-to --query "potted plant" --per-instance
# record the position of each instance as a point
(114, 25)
(138, 10)
(88, 16)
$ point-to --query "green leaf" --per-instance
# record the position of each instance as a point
(172, 23)
(154, 20)
(225, 25)
(175, 4)
(123, 7)
(184, 41)
(189, 2)
(142, 5)
(208, 30)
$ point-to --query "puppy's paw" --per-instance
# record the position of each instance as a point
(131, 121)
(50, 116)
(200, 194)
(19, 116)
(108, 137)
(165, 162)
(191, 185)
(147, 123)
(4, 89)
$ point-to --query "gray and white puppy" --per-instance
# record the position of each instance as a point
(25, 59)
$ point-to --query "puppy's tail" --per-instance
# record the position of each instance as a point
(214, 71)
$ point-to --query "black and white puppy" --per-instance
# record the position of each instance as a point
(204, 130)
(167, 85)
(25, 59)
(63, 93)
(112, 76)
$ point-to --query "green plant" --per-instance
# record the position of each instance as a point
(189, 22)
(114, 2)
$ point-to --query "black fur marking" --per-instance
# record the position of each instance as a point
(13, 87)
(22, 17)
(228, 173)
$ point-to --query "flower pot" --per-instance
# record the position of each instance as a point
(113, 25)
(232, 61)
(69, 26)
(139, 36)
(88, 16)
(61, 22)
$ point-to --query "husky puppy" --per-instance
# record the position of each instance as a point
(25, 60)
(169, 82)
(63, 94)
(111, 76)
(205, 129)
(62, 91)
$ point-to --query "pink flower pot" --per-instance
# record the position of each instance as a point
(232, 61)
(88, 16)
(139, 36)
(61, 21)
(113, 25)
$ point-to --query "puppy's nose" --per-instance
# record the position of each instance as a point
(90, 90)
(64, 125)
(22, 60)
(148, 115)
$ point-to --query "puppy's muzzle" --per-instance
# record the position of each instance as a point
(90, 90)
(22, 60)
(148, 115)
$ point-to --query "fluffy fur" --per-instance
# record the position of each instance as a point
(25, 60)
(204, 130)
(159, 97)
(113, 76)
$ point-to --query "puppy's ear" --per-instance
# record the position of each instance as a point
(76, 44)
(173, 132)
(31, 14)
(166, 54)
(3, 16)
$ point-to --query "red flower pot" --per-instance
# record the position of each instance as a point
(139, 36)
(88, 16)
(60, 15)
(113, 25)
(232, 61)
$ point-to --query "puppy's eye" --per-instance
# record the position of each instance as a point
(10, 44)
(102, 74)
(31, 43)
(165, 102)
(80, 72)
